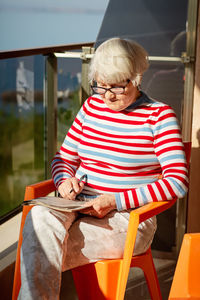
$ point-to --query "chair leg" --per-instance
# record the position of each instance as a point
(145, 262)
(153, 284)
(97, 280)
(17, 274)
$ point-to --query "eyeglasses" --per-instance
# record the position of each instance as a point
(115, 89)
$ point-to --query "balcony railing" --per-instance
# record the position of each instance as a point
(34, 113)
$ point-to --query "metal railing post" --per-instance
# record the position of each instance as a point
(50, 112)
(85, 85)
(187, 106)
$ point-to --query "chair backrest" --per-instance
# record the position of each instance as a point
(187, 146)
(185, 284)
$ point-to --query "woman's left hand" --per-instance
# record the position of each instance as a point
(101, 206)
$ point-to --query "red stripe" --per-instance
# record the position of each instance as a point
(153, 195)
(115, 120)
(161, 118)
(115, 149)
(106, 189)
(175, 171)
(174, 166)
(168, 149)
(126, 113)
(127, 200)
(73, 137)
(73, 153)
(181, 179)
(166, 133)
(135, 198)
(140, 145)
(168, 140)
(154, 109)
(78, 122)
(64, 160)
(110, 173)
(93, 99)
(169, 188)
(122, 136)
(166, 116)
(161, 191)
(75, 129)
(62, 170)
(99, 162)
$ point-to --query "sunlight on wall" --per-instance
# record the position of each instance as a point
(196, 119)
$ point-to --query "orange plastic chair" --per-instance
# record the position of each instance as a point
(105, 279)
(185, 284)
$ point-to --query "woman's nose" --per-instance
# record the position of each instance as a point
(109, 95)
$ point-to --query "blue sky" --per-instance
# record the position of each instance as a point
(37, 23)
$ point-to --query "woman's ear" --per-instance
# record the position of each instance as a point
(137, 80)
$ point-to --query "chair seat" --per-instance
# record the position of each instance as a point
(99, 280)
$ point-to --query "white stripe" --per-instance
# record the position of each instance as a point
(116, 145)
(131, 200)
(123, 201)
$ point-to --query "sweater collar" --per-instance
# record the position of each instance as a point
(139, 101)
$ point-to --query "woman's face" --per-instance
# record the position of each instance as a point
(118, 102)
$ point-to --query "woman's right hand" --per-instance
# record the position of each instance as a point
(69, 184)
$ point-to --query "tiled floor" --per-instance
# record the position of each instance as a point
(137, 287)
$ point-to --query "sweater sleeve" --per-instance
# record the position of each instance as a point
(169, 151)
(66, 160)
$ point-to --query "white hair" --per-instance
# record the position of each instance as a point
(117, 60)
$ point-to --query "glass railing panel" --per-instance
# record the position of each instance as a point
(69, 93)
(156, 25)
(21, 129)
(164, 81)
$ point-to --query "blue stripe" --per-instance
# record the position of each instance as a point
(118, 202)
(59, 160)
(180, 157)
(80, 115)
(70, 144)
(165, 125)
(144, 197)
(117, 158)
(55, 160)
(117, 181)
(62, 163)
(79, 173)
(117, 129)
(59, 176)
(179, 188)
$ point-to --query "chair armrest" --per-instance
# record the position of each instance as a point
(39, 189)
(36, 190)
(137, 216)
(152, 209)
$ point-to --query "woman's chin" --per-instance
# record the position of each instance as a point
(114, 105)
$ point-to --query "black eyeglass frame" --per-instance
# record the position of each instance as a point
(93, 87)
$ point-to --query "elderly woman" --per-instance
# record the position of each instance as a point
(130, 148)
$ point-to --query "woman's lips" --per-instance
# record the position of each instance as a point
(112, 100)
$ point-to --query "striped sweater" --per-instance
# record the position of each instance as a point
(125, 152)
